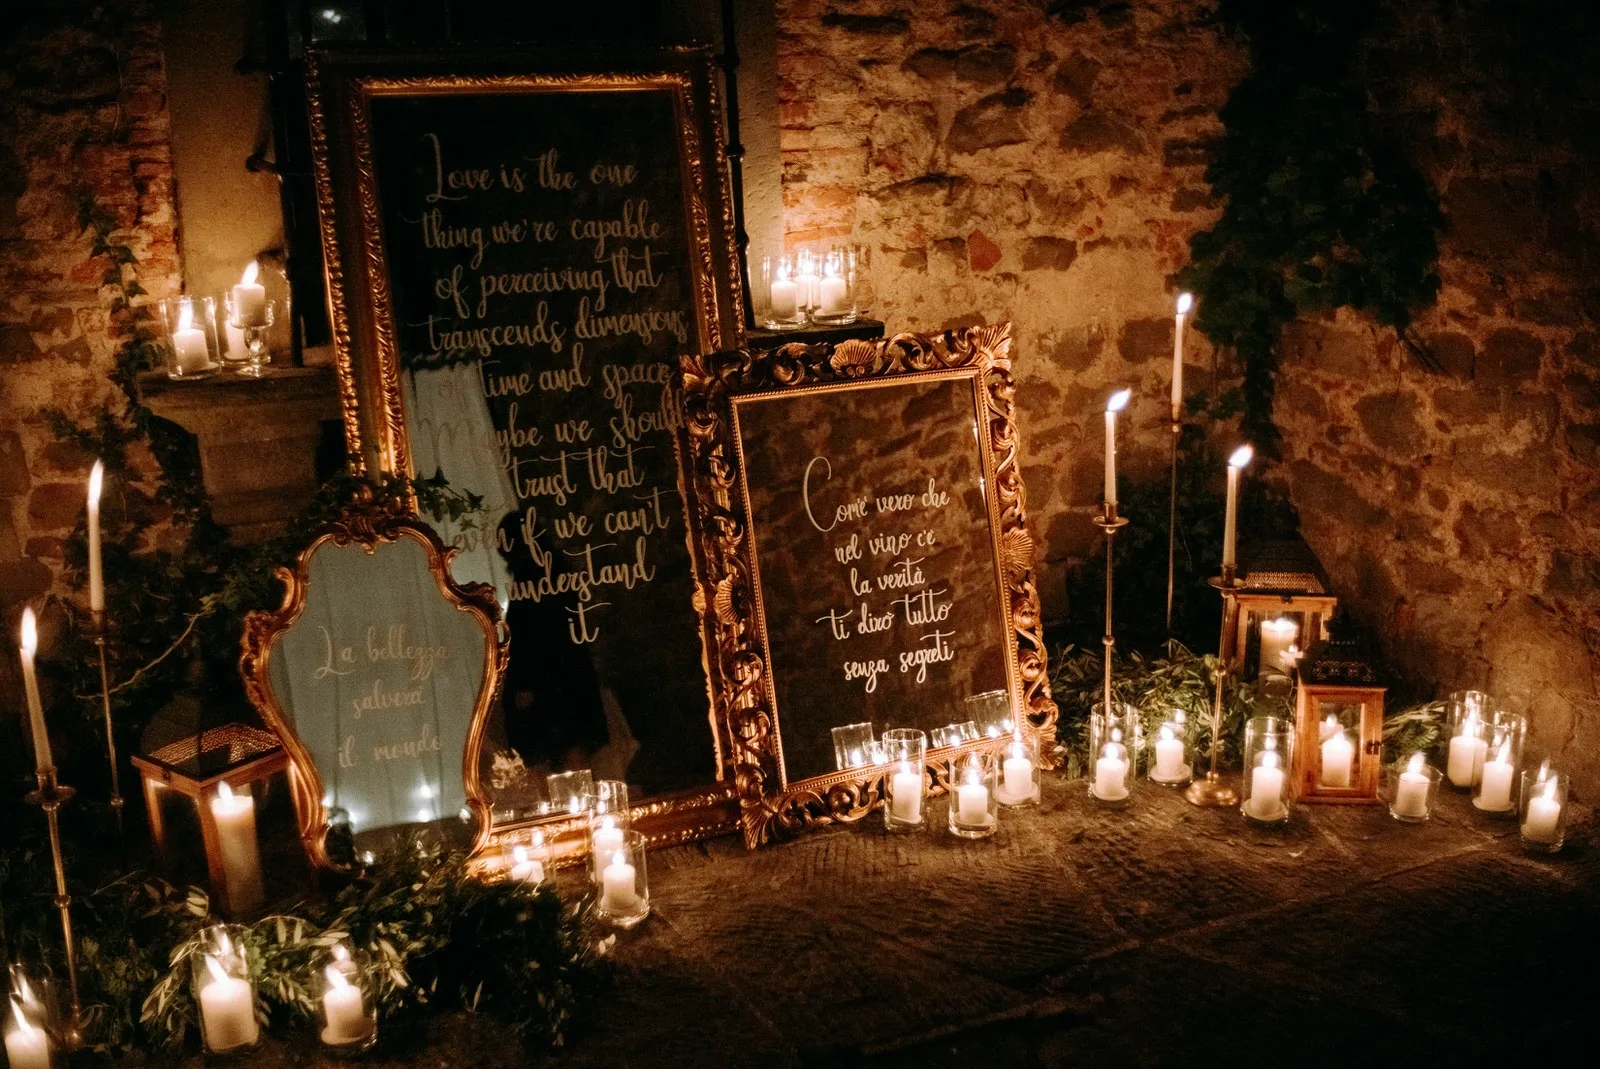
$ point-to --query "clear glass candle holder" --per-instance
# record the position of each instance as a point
(30, 1023)
(1172, 752)
(991, 711)
(528, 862)
(570, 791)
(621, 884)
(974, 807)
(347, 1013)
(1267, 793)
(905, 785)
(225, 992)
(1497, 788)
(955, 734)
(608, 815)
(1020, 779)
(189, 337)
(1543, 812)
(1468, 741)
(248, 323)
(1113, 753)
(835, 301)
(777, 299)
(1411, 787)
(854, 746)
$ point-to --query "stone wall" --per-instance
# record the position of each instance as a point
(1012, 160)
(82, 108)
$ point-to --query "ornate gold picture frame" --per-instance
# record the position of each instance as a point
(370, 314)
(775, 804)
(371, 528)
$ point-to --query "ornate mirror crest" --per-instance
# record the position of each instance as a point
(900, 409)
(379, 673)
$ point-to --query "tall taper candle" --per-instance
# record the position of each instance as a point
(1185, 302)
(1230, 524)
(30, 687)
(1118, 402)
(97, 587)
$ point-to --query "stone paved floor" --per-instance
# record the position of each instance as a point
(1160, 935)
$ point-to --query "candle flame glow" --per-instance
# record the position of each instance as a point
(1503, 755)
(1469, 726)
(340, 953)
(23, 1027)
(1544, 770)
(1185, 302)
(1119, 401)
(538, 838)
(224, 791)
(574, 805)
(214, 967)
(1550, 790)
(1166, 733)
(97, 476)
(1269, 759)
(336, 980)
(974, 771)
(519, 855)
(30, 633)
(1241, 457)
(607, 823)
(251, 270)
(1415, 764)
(619, 858)
(185, 315)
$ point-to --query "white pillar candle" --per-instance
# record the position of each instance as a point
(1277, 636)
(784, 297)
(344, 1012)
(1117, 403)
(235, 816)
(906, 804)
(1111, 775)
(1266, 789)
(43, 759)
(27, 1047)
(189, 342)
(972, 798)
(1185, 301)
(1543, 821)
(1016, 772)
(227, 1007)
(525, 869)
(1230, 520)
(1494, 794)
(250, 299)
(1337, 752)
(607, 837)
(1411, 790)
(616, 886)
(831, 294)
(97, 586)
(1169, 756)
(1467, 750)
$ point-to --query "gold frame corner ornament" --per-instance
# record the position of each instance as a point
(369, 523)
(770, 807)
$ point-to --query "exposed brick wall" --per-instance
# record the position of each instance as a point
(82, 105)
(1002, 162)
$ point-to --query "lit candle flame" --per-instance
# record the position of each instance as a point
(23, 1027)
(538, 838)
(30, 633)
(606, 823)
(519, 855)
(1166, 733)
(1544, 770)
(185, 315)
(214, 967)
(574, 805)
(97, 476)
(340, 954)
(1415, 764)
(1241, 457)
(225, 792)
(1270, 758)
(1550, 790)
(251, 270)
(336, 980)
(619, 858)
(1469, 726)
(1119, 401)
(1185, 302)
(1503, 755)
(974, 771)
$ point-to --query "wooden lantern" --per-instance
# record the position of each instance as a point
(194, 766)
(1338, 753)
(1285, 601)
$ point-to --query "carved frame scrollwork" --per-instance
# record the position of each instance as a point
(369, 523)
(730, 598)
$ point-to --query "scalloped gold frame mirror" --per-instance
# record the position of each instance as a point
(379, 673)
(899, 409)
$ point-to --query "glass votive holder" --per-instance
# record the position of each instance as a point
(836, 286)
(955, 734)
(854, 745)
(225, 992)
(527, 863)
(570, 792)
(777, 300)
(1412, 788)
(30, 1026)
(622, 888)
(974, 807)
(1112, 752)
(189, 333)
(1020, 777)
(1268, 754)
(248, 323)
(347, 1014)
(1496, 789)
(1172, 753)
(905, 750)
(1543, 813)
(609, 797)
(991, 711)
(1469, 729)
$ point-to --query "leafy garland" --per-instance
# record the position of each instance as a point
(1323, 209)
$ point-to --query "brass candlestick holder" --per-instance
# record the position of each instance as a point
(50, 797)
(97, 629)
(1172, 517)
(1110, 523)
(1211, 791)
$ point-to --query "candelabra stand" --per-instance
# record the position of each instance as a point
(97, 625)
(50, 797)
(1172, 516)
(1109, 522)
(1211, 791)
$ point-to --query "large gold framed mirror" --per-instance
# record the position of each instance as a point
(379, 674)
(866, 561)
(518, 249)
